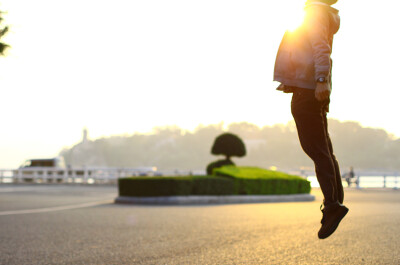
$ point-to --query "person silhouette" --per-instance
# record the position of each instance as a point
(303, 67)
(350, 176)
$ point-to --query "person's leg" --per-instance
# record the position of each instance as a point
(339, 185)
(309, 117)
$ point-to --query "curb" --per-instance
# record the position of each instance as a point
(226, 199)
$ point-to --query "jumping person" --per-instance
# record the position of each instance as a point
(303, 67)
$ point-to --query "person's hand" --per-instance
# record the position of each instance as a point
(322, 91)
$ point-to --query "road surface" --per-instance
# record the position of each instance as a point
(59, 224)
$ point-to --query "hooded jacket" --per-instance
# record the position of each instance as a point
(304, 55)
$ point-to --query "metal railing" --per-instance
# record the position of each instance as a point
(367, 179)
(95, 175)
(389, 179)
(89, 175)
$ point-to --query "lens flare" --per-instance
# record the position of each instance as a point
(295, 20)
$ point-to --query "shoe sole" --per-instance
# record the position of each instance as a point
(335, 225)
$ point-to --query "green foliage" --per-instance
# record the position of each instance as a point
(174, 186)
(210, 185)
(232, 181)
(228, 144)
(217, 164)
(3, 31)
(155, 186)
(252, 173)
(253, 180)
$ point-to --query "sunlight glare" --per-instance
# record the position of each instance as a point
(294, 15)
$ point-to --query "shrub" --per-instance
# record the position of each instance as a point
(228, 144)
(217, 164)
(175, 186)
(209, 185)
(154, 186)
(252, 180)
(231, 181)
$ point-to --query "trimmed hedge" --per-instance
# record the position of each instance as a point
(217, 164)
(230, 180)
(174, 186)
(253, 180)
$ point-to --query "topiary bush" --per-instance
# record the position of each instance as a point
(175, 186)
(229, 145)
(154, 186)
(210, 185)
(231, 180)
(217, 164)
(253, 180)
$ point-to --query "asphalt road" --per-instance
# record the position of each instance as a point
(80, 225)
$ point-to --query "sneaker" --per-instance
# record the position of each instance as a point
(331, 217)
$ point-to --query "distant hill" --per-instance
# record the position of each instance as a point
(170, 148)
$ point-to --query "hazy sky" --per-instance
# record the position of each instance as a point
(122, 66)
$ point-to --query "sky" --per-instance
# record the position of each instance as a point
(124, 66)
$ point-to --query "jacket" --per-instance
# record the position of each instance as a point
(304, 55)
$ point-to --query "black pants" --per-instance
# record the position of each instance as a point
(312, 128)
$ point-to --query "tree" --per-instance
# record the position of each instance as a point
(3, 31)
(229, 145)
(278, 145)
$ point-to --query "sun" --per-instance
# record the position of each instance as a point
(296, 21)
(294, 16)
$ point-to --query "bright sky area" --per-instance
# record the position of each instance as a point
(125, 66)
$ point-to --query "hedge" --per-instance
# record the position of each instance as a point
(174, 186)
(229, 180)
(253, 180)
(217, 164)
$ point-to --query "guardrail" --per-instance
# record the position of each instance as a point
(389, 179)
(71, 175)
(92, 175)
(367, 179)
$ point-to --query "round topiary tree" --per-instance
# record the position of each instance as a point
(229, 145)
